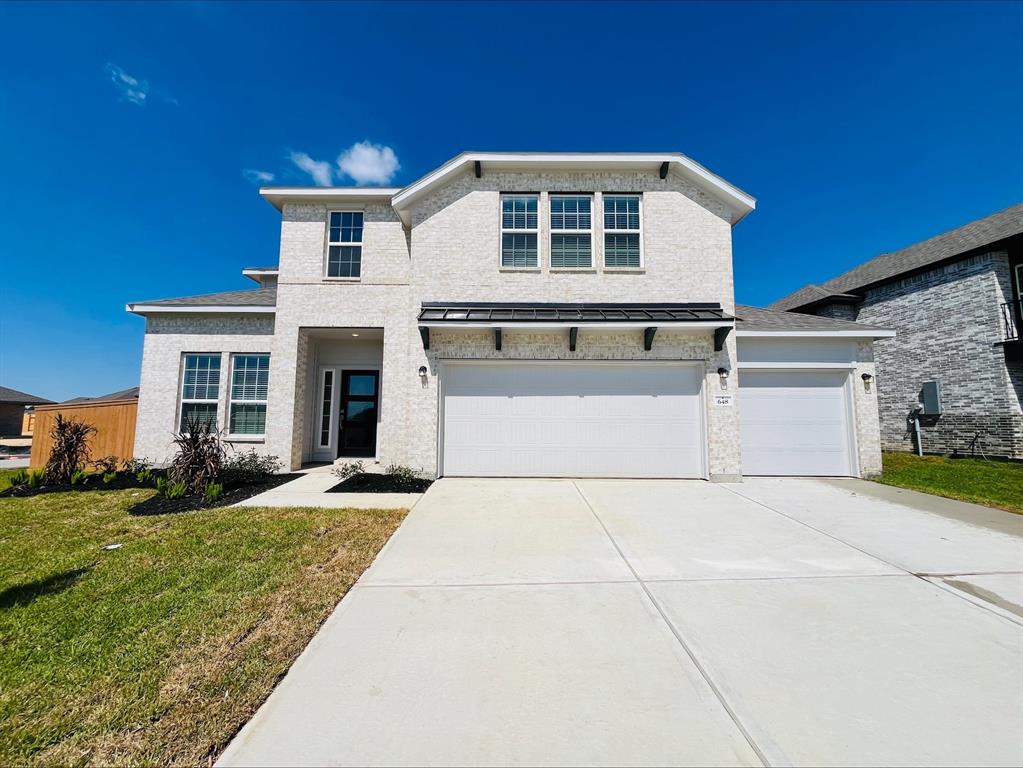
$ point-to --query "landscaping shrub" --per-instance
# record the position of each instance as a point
(106, 465)
(19, 478)
(144, 476)
(109, 477)
(349, 470)
(200, 456)
(161, 485)
(35, 478)
(70, 448)
(78, 477)
(213, 492)
(175, 489)
(249, 467)
(137, 466)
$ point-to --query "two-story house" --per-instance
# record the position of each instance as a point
(515, 314)
(952, 380)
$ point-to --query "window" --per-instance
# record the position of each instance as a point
(200, 390)
(344, 244)
(328, 397)
(571, 225)
(249, 380)
(519, 228)
(622, 234)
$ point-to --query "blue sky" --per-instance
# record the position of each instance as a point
(126, 131)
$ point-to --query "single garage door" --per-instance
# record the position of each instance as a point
(795, 423)
(572, 419)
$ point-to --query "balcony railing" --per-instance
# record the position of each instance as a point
(1012, 319)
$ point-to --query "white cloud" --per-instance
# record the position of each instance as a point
(131, 88)
(368, 163)
(258, 177)
(320, 170)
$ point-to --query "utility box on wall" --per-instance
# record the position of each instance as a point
(930, 397)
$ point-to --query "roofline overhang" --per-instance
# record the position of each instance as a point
(143, 309)
(255, 274)
(278, 196)
(741, 203)
(510, 325)
(864, 334)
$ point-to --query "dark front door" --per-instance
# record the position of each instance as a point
(360, 396)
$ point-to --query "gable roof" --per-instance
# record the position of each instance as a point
(262, 300)
(755, 320)
(132, 393)
(13, 396)
(957, 242)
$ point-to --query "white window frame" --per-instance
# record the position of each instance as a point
(326, 253)
(179, 426)
(231, 399)
(606, 231)
(550, 224)
(330, 411)
(506, 231)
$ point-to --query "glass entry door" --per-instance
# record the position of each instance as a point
(360, 396)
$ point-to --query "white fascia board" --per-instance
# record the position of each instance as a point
(864, 334)
(278, 196)
(797, 366)
(256, 274)
(510, 325)
(153, 309)
(741, 203)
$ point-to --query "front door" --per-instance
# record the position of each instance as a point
(360, 394)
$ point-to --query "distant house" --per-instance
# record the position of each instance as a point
(15, 421)
(112, 415)
(955, 367)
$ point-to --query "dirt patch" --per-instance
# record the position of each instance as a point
(161, 505)
(374, 483)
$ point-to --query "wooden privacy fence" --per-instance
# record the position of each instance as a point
(114, 421)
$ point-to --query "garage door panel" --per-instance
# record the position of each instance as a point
(574, 420)
(795, 423)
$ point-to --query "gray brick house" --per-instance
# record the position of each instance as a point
(514, 314)
(954, 301)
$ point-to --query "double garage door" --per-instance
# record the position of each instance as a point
(572, 419)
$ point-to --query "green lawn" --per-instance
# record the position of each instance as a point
(5, 477)
(994, 483)
(157, 652)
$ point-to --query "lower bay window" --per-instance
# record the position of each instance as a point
(250, 378)
(200, 390)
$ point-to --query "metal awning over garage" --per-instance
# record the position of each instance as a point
(648, 316)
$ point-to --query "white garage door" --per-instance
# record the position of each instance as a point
(795, 423)
(572, 419)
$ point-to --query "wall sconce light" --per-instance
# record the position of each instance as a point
(422, 371)
(866, 381)
(723, 375)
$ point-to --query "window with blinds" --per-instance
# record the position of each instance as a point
(344, 244)
(200, 390)
(622, 233)
(571, 231)
(250, 378)
(519, 231)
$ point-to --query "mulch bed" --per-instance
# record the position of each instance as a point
(92, 483)
(369, 482)
(161, 505)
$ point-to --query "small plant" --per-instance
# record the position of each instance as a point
(404, 477)
(349, 469)
(19, 478)
(213, 492)
(175, 489)
(109, 477)
(249, 467)
(161, 485)
(70, 448)
(106, 465)
(79, 477)
(200, 455)
(35, 478)
(136, 466)
(144, 476)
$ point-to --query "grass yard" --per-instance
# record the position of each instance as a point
(159, 651)
(5, 477)
(993, 483)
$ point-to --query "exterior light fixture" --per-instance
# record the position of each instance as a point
(866, 381)
(723, 375)
(422, 371)
(355, 334)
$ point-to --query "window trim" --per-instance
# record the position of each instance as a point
(551, 196)
(605, 231)
(328, 242)
(240, 436)
(502, 231)
(330, 411)
(179, 426)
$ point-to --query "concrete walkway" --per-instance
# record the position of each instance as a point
(780, 622)
(310, 490)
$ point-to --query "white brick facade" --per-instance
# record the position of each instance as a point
(451, 253)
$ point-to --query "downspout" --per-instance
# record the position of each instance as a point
(916, 429)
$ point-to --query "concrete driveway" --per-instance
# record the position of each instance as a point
(598, 622)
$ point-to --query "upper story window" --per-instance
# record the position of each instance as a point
(571, 231)
(519, 230)
(344, 244)
(250, 379)
(200, 390)
(622, 234)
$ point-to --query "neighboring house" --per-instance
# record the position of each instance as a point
(955, 301)
(16, 412)
(113, 416)
(514, 314)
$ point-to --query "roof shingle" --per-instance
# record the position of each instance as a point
(8, 395)
(257, 297)
(757, 319)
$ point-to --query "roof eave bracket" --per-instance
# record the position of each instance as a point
(573, 336)
(720, 334)
(648, 338)
(664, 170)
(497, 339)
(424, 332)
(477, 168)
